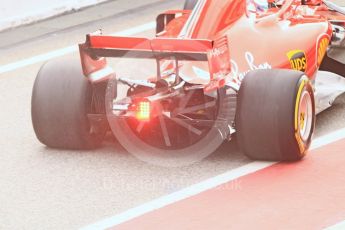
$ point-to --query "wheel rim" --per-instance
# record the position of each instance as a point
(305, 116)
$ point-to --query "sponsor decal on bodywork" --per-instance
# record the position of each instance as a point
(219, 64)
(298, 60)
(219, 58)
(251, 64)
(322, 46)
(235, 76)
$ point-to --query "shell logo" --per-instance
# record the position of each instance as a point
(322, 49)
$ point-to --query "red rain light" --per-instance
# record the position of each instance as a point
(143, 111)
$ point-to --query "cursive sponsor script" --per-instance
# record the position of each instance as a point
(251, 64)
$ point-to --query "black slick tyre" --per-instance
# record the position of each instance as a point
(61, 102)
(275, 118)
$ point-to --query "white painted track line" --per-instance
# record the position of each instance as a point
(203, 186)
(180, 195)
(68, 50)
(339, 226)
(328, 139)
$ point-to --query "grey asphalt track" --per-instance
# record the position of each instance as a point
(42, 188)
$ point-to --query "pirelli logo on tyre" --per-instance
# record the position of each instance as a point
(322, 49)
(298, 60)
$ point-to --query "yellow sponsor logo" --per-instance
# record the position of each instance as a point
(298, 60)
(321, 50)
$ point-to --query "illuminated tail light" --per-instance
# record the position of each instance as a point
(143, 111)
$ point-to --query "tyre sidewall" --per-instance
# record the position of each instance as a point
(265, 119)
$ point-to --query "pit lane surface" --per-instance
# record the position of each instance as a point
(42, 188)
(305, 195)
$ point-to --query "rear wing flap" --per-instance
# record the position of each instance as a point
(98, 47)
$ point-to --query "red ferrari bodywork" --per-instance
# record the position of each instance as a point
(294, 36)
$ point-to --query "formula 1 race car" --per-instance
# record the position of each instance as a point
(218, 69)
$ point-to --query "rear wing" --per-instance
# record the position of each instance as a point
(183, 49)
(98, 47)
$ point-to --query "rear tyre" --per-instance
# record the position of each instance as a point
(190, 4)
(275, 117)
(61, 102)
